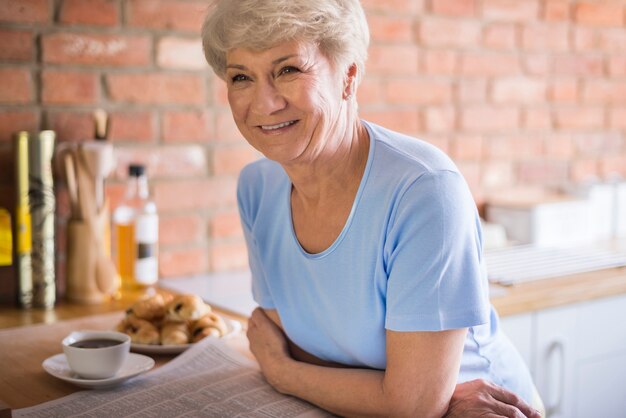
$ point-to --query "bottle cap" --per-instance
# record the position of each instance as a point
(136, 170)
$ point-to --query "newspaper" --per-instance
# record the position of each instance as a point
(208, 380)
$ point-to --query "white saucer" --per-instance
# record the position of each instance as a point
(135, 364)
(232, 328)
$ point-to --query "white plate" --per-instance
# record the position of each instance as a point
(135, 364)
(232, 328)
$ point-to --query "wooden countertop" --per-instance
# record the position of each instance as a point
(549, 293)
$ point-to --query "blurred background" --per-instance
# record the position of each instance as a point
(519, 93)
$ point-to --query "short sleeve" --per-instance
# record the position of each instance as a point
(436, 279)
(246, 204)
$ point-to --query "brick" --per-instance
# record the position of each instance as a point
(230, 160)
(384, 28)
(497, 174)
(180, 195)
(220, 92)
(182, 262)
(407, 121)
(392, 6)
(17, 45)
(537, 119)
(156, 88)
(537, 64)
(543, 172)
(443, 32)
(612, 41)
(556, 10)
(69, 87)
(181, 53)
(225, 224)
(180, 229)
(489, 119)
(500, 36)
(181, 126)
(518, 90)
(187, 161)
(17, 85)
(458, 8)
(370, 91)
(135, 126)
(467, 147)
(472, 90)
(166, 14)
(617, 66)
(598, 144)
(182, 161)
(71, 126)
(511, 10)
(585, 39)
(97, 50)
(548, 37)
(225, 128)
(514, 147)
(599, 13)
(89, 12)
(607, 92)
(384, 60)
(228, 256)
(12, 121)
(25, 11)
(579, 118)
(584, 169)
(147, 156)
(617, 118)
(580, 65)
(486, 64)
(560, 146)
(440, 119)
(440, 62)
(612, 166)
(418, 91)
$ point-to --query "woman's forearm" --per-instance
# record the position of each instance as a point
(352, 392)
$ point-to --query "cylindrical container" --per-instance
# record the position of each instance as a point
(42, 207)
(22, 229)
(136, 228)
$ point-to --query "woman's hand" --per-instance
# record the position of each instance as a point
(269, 345)
(480, 398)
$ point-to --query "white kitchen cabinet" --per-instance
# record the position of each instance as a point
(577, 356)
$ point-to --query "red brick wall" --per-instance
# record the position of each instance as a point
(517, 92)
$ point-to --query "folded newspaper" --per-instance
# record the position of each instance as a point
(209, 380)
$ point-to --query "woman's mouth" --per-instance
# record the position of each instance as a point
(278, 125)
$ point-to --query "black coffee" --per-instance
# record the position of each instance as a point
(95, 343)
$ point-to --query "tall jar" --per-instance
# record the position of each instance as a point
(136, 233)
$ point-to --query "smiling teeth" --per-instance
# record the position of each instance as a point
(280, 125)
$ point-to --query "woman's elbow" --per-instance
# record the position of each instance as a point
(423, 407)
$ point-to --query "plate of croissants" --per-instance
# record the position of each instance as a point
(170, 324)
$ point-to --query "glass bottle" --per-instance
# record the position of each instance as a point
(136, 229)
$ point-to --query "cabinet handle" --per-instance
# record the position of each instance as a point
(556, 348)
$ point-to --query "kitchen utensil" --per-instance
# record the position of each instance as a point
(100, 161)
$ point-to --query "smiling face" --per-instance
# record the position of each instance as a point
(288, 101)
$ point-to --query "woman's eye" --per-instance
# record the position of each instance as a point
(239, 77)
(288, 70)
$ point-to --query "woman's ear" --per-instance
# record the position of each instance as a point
(350, 82)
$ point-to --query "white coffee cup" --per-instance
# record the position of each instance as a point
(96, 354)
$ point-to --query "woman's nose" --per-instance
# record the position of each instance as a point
(267, 99)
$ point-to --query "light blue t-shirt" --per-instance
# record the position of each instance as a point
(409, 258)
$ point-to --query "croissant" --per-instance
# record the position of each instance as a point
(186, 308)
(174, 333)
(210, 324)
(139, 330)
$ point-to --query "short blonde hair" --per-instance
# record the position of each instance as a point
(338, 27)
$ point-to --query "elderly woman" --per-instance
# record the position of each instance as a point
(364, 244)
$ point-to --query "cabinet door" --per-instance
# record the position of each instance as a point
(601, 361)
(555, 356)
(519, 328)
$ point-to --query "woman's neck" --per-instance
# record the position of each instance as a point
(333, 173)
